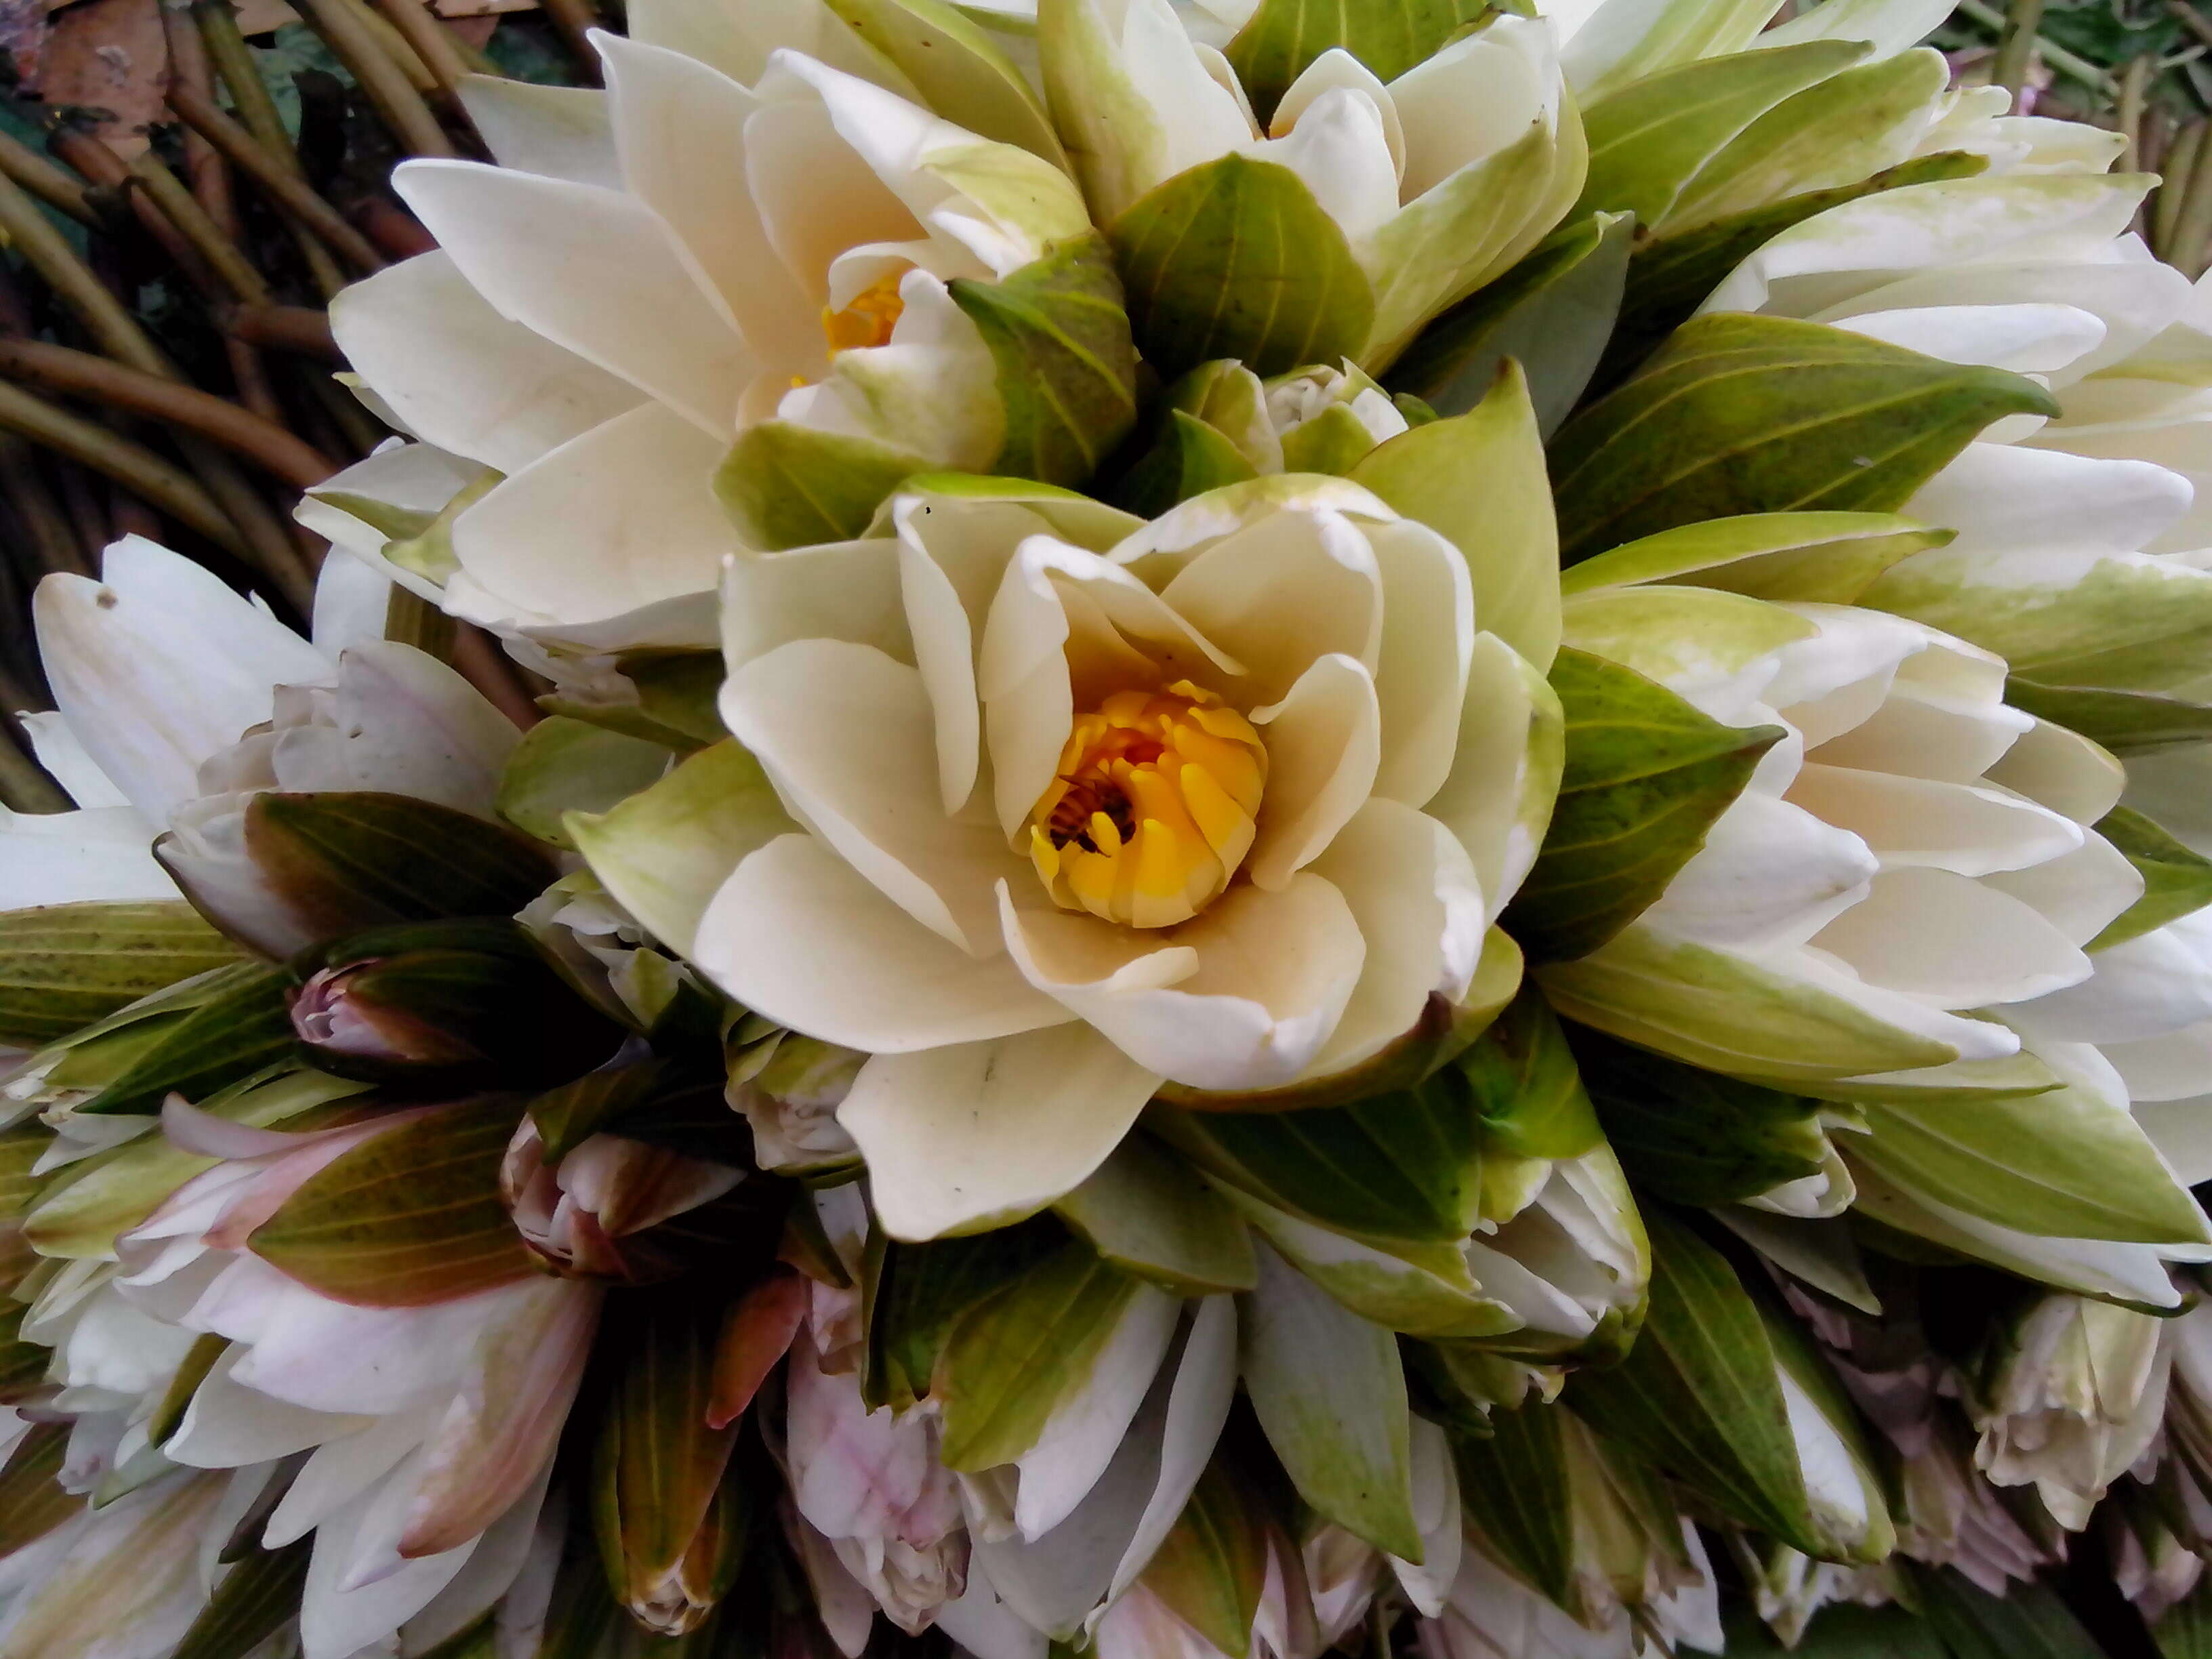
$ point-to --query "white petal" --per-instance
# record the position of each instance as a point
(797, 936)
(977, 1135)
(2080, 893)
(353, 598)
(1084, 1431)
(2173, 1066)
(405, 724)
(561, 132)
(1341, 150)
(2147, 987)
(2008, 503)
(1951, 939)
(2027, 339)
(73, 858)
(1281, 592)
(1917, 822)
(1324, 742)
(1272, 976)
(592, 271)
(1427, 646)
(834, 591)
(1769, 873)
(63, 756)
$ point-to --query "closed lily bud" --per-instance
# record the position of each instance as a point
(463, 1002)
(591, 1213)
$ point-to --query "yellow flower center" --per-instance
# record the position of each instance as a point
(869, 320)
(1152, 809)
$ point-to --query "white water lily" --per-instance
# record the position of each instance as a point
(734, 233)
(1067, 806)
(1439, 180)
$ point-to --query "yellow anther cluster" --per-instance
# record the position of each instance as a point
(869, 320)
(1152, 809)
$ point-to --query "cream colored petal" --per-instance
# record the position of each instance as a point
(1324, 742)
(797, 936)
(592, 271)
(1334, 68)
(1922, 734)
(561, 132)
(1273, 974)
(1421, 673)
(978, 1134)
(1471, 99)
(846, 734)
(1952, 940)
(1921, 823)
(1498, 795)
(1770, 874)
(835, 591)
(463, 376)
(817, 197)
(737, 36)
(2080, 893)
(622, 517)
(2147, 987)
(1341, 149)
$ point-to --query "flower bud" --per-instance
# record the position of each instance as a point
(592, 1212)
(461, 1003)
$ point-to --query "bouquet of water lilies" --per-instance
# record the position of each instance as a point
(1371, 828)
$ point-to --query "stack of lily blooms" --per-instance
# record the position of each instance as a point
(1379, 828)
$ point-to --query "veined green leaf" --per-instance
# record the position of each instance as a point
(572, 1114)
(958, 70)
(1235, 258)
(1284, 37)
(1187, 459)
(1748, 414)
(233, 1035)
(1648, 140)
(2176, 882)
(1671, 275)
(1012, 1360)
(1068, 370)
(1697, 1137)
(912, 1295)
(2185, 1632)
(2030, 1622)
(1148, 1213)
(1330, 443)
(1646, 775)
(411, 1218)
(1340, 1425)
(257, 1598)
(32, 1501)
(786, 485)
(1552, 313)
(1213, 1566)
(1513, 1486)
(1404, 1166)
(2125, 722)
(1699, 1396)
(1478, 480)
(1527, 1086)
(347, 859)
(63, 966)
(1824, 558)
(564, 765)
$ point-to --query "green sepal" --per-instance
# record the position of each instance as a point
(420, 543)
(1145, 1211)
(1331, 442)
(1212, 1568)
(1283, 38)
(786, 485)
(1513, 1487)
(1527, 1086)
(1694, 1137)
(257, 1597)
(409, 1218)
(960, 71)
(674, 701)
(185, 1382)
(2028, 1622)
(63, 966)
(1822, 558)
(912, 1295)
(2176, 882)
(1749, 414)
(1187, 459)
(1236, 258)
(245, 1027)
(1646, 775)
(564, 765)
(2127, 723)
(1552, 313)
(1067, 369)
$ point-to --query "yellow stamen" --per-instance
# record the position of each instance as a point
(869, 320)
(1152, 809)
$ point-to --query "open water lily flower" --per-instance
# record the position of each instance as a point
(735, 238)
(1072, 807)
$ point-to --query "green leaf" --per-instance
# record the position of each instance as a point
(32, 1501)
(912, 1295)
(1330, 443)
(1235, 258)
(1822, 558)
(666, 851)
(1748, 414)
(1478, 480)
(1068, 370)
(669, 1548)
(565, 765)
(1513, 1487)
(63, 966)
(568, 1117)
(2176, 882)
(411, 1218)
(1527, 1086)
(1330, 1393)
(2185, 1632)
(1552, 313)
(1405, 1165)
(256, 1599)
(1696, 1136)
(1648, 140)
(786, 485)
(2066, 1162)
(344, 860)
(1012, 1360)
(1843, 1630)
(1699, 1395)
(23, 1365)
(2126, 722)
(1284, 37)
(1646, 775)
(1213, 1566)
(677, 691)
(2030, 1622)
(1148, 1214)
(1187, 459)
(232, 1036)
(958, 70)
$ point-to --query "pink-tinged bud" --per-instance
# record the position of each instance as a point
(591, 1214)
